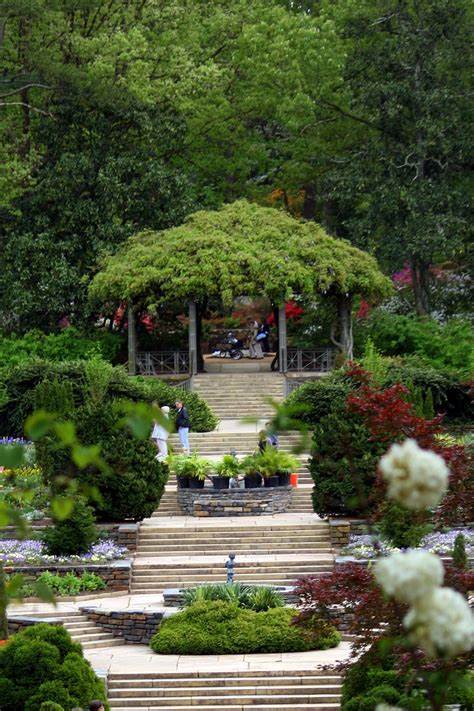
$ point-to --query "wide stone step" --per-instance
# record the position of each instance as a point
(239, 701)
(224, 676)
(146, 551)
(327, 693)
(289, 678)
(245, 707)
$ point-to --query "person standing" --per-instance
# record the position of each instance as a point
(182, 425)
(255, 349)
(160, 434)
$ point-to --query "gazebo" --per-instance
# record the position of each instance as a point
(240, 249)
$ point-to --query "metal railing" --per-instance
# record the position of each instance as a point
(162, 362)
(300, 360)
(293, 384)
(186, 385)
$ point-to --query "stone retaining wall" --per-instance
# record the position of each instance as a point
(342, 528)
(116, 574)
(234, 502)
(134, 626)
(17, 624)
(127, 535)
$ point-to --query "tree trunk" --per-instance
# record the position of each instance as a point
(344, 326)
(420, 280)
(3, 604)
(309, 205)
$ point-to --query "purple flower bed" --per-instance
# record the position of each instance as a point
(30, 552)
(361, 546)
(14, 440)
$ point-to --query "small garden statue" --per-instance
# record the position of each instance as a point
(230, 565)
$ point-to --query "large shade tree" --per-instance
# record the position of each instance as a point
(241, 249)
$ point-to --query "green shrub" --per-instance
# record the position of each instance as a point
(224, 628)
(400, 526)
(73, 535)
(51, 706)
(20, 381)
(41, 664)
(68, 345)
(460, 559)
(449, 346)
(343, 463)
(319, 397)
(449, 393)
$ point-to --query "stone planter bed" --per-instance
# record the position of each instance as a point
(172, 596)
(234, 502)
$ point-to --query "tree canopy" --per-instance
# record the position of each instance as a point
(240, 249)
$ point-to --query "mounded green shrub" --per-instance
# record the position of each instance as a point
(402, 527)
(18, 384)
(343, 464)
(319, 397)
(42, 664)
(73, 535)
(223, 628)
(51, 706)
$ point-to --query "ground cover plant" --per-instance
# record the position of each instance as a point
(67, 584)
(42, 664)
(362, 545)
(250, 597)
(218, 627)
(34, 552)
(24, 489)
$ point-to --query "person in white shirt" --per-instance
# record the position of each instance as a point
(160, 434)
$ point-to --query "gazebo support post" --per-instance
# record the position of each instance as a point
(282, 339)
(193, 341)
(132, 341)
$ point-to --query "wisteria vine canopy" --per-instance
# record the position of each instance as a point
(242, 248)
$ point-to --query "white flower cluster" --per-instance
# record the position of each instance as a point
(440, 621)
(442, 624)
(409, 577)
(416, 478)
(386, 707)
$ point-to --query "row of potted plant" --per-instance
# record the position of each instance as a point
(271, 467)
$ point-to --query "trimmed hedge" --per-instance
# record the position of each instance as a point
(319, 397)
(42, 663)
(17, 386)
(224, 628)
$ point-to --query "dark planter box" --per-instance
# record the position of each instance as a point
(253, 482)
(272, 481)
(196, 483)
(183, 482)
(283, 478)
(220, 482)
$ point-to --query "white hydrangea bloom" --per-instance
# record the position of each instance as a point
(442, 624)
(416, 478)
(409, 577)
(386, 707)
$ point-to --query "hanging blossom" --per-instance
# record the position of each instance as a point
(416, 478)
(409, 577)
(442, 624)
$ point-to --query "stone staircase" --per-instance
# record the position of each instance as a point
(238, 395)
(82, 630)
(269, 690)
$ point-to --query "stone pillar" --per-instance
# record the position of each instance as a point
(132, 341)
(192, 339)
(282, 339)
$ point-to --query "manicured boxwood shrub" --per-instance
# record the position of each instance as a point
(42, 664)
(319, 397)
(224, 628)
(73, 535)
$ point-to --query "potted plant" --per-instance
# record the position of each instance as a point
(196, 469)
(176, 465)
(228, 468)
(275, 466)
(249, 468)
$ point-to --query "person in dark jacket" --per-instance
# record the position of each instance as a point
(182, 425)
